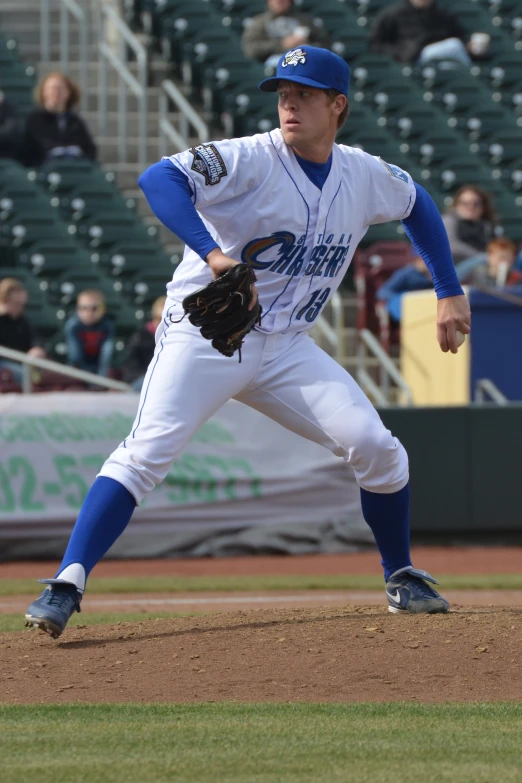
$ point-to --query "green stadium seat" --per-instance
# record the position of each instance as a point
(484, 122)
(144, 287)
(67, 174)
(64, 289)
(93, 198)
(24, 199)
(126, 259)
(49, 259)
(26, 228)
(102, 231)
(370, 69)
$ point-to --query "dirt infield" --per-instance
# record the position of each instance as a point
(439, 560)
(319, 654)
(317, 645)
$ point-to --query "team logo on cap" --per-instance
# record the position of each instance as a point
(294, 57)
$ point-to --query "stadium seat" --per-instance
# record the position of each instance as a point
(373, 267)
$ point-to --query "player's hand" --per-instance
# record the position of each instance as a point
(219, 263)
(452, 313)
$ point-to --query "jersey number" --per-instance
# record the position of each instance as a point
(313, 307)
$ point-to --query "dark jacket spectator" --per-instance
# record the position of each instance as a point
(140, 348)
(470, 222)
(54, 130)
(402, 30)
(15, 330)
(90, 335)
(9, 129)
(281, 28)
(413, 277)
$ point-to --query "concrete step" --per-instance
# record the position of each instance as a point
(158, 69)
(111, 129)
(126, 174)
(109, 149)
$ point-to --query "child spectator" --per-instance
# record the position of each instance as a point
(54, 130)
(469, 222)
(278, 29)
(140, 349)
(496, 270)
(15, 330)
(419, 31)
(412, 277)
(90, 334)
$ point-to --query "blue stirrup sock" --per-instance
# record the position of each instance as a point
(105, 514)
(388, 516)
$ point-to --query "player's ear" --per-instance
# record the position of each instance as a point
(339, 103)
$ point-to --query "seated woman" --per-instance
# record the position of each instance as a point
(54, 129)
(469, 222)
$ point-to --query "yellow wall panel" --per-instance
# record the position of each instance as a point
(435, 378)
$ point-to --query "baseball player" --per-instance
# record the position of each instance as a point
(292, 206)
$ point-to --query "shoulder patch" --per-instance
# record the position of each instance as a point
(395, 171)
(209, 163)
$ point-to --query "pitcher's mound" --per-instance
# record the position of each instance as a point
(320, 654)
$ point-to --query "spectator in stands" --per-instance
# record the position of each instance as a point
(470, 222)
(9, 129)
(280, 28)
(497, 268)
(412, 277)
(140, 349)
(90, 334)
(54, 129)
(420, 31)
(15, 330)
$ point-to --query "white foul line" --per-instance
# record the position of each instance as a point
(236, 599)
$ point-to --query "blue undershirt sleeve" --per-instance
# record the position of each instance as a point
(168, 192)
(426, 231)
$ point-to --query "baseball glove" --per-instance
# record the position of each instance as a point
(220, 309)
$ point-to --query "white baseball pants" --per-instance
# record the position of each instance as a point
(285, 376)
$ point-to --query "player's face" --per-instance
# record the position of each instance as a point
(307, 115)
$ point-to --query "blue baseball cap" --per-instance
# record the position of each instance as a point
(311, 66)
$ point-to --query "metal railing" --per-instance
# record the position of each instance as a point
(333, 333)
(115, 54)
(68, 8)
(28, 362)
(485, 387)
(187, 119)
(388, 371)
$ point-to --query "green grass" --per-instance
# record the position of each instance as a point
(15, 622)
(285, 743)
(177, 584)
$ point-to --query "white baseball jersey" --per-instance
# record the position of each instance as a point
(262, 209)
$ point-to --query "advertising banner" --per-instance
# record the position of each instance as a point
(240, 470)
